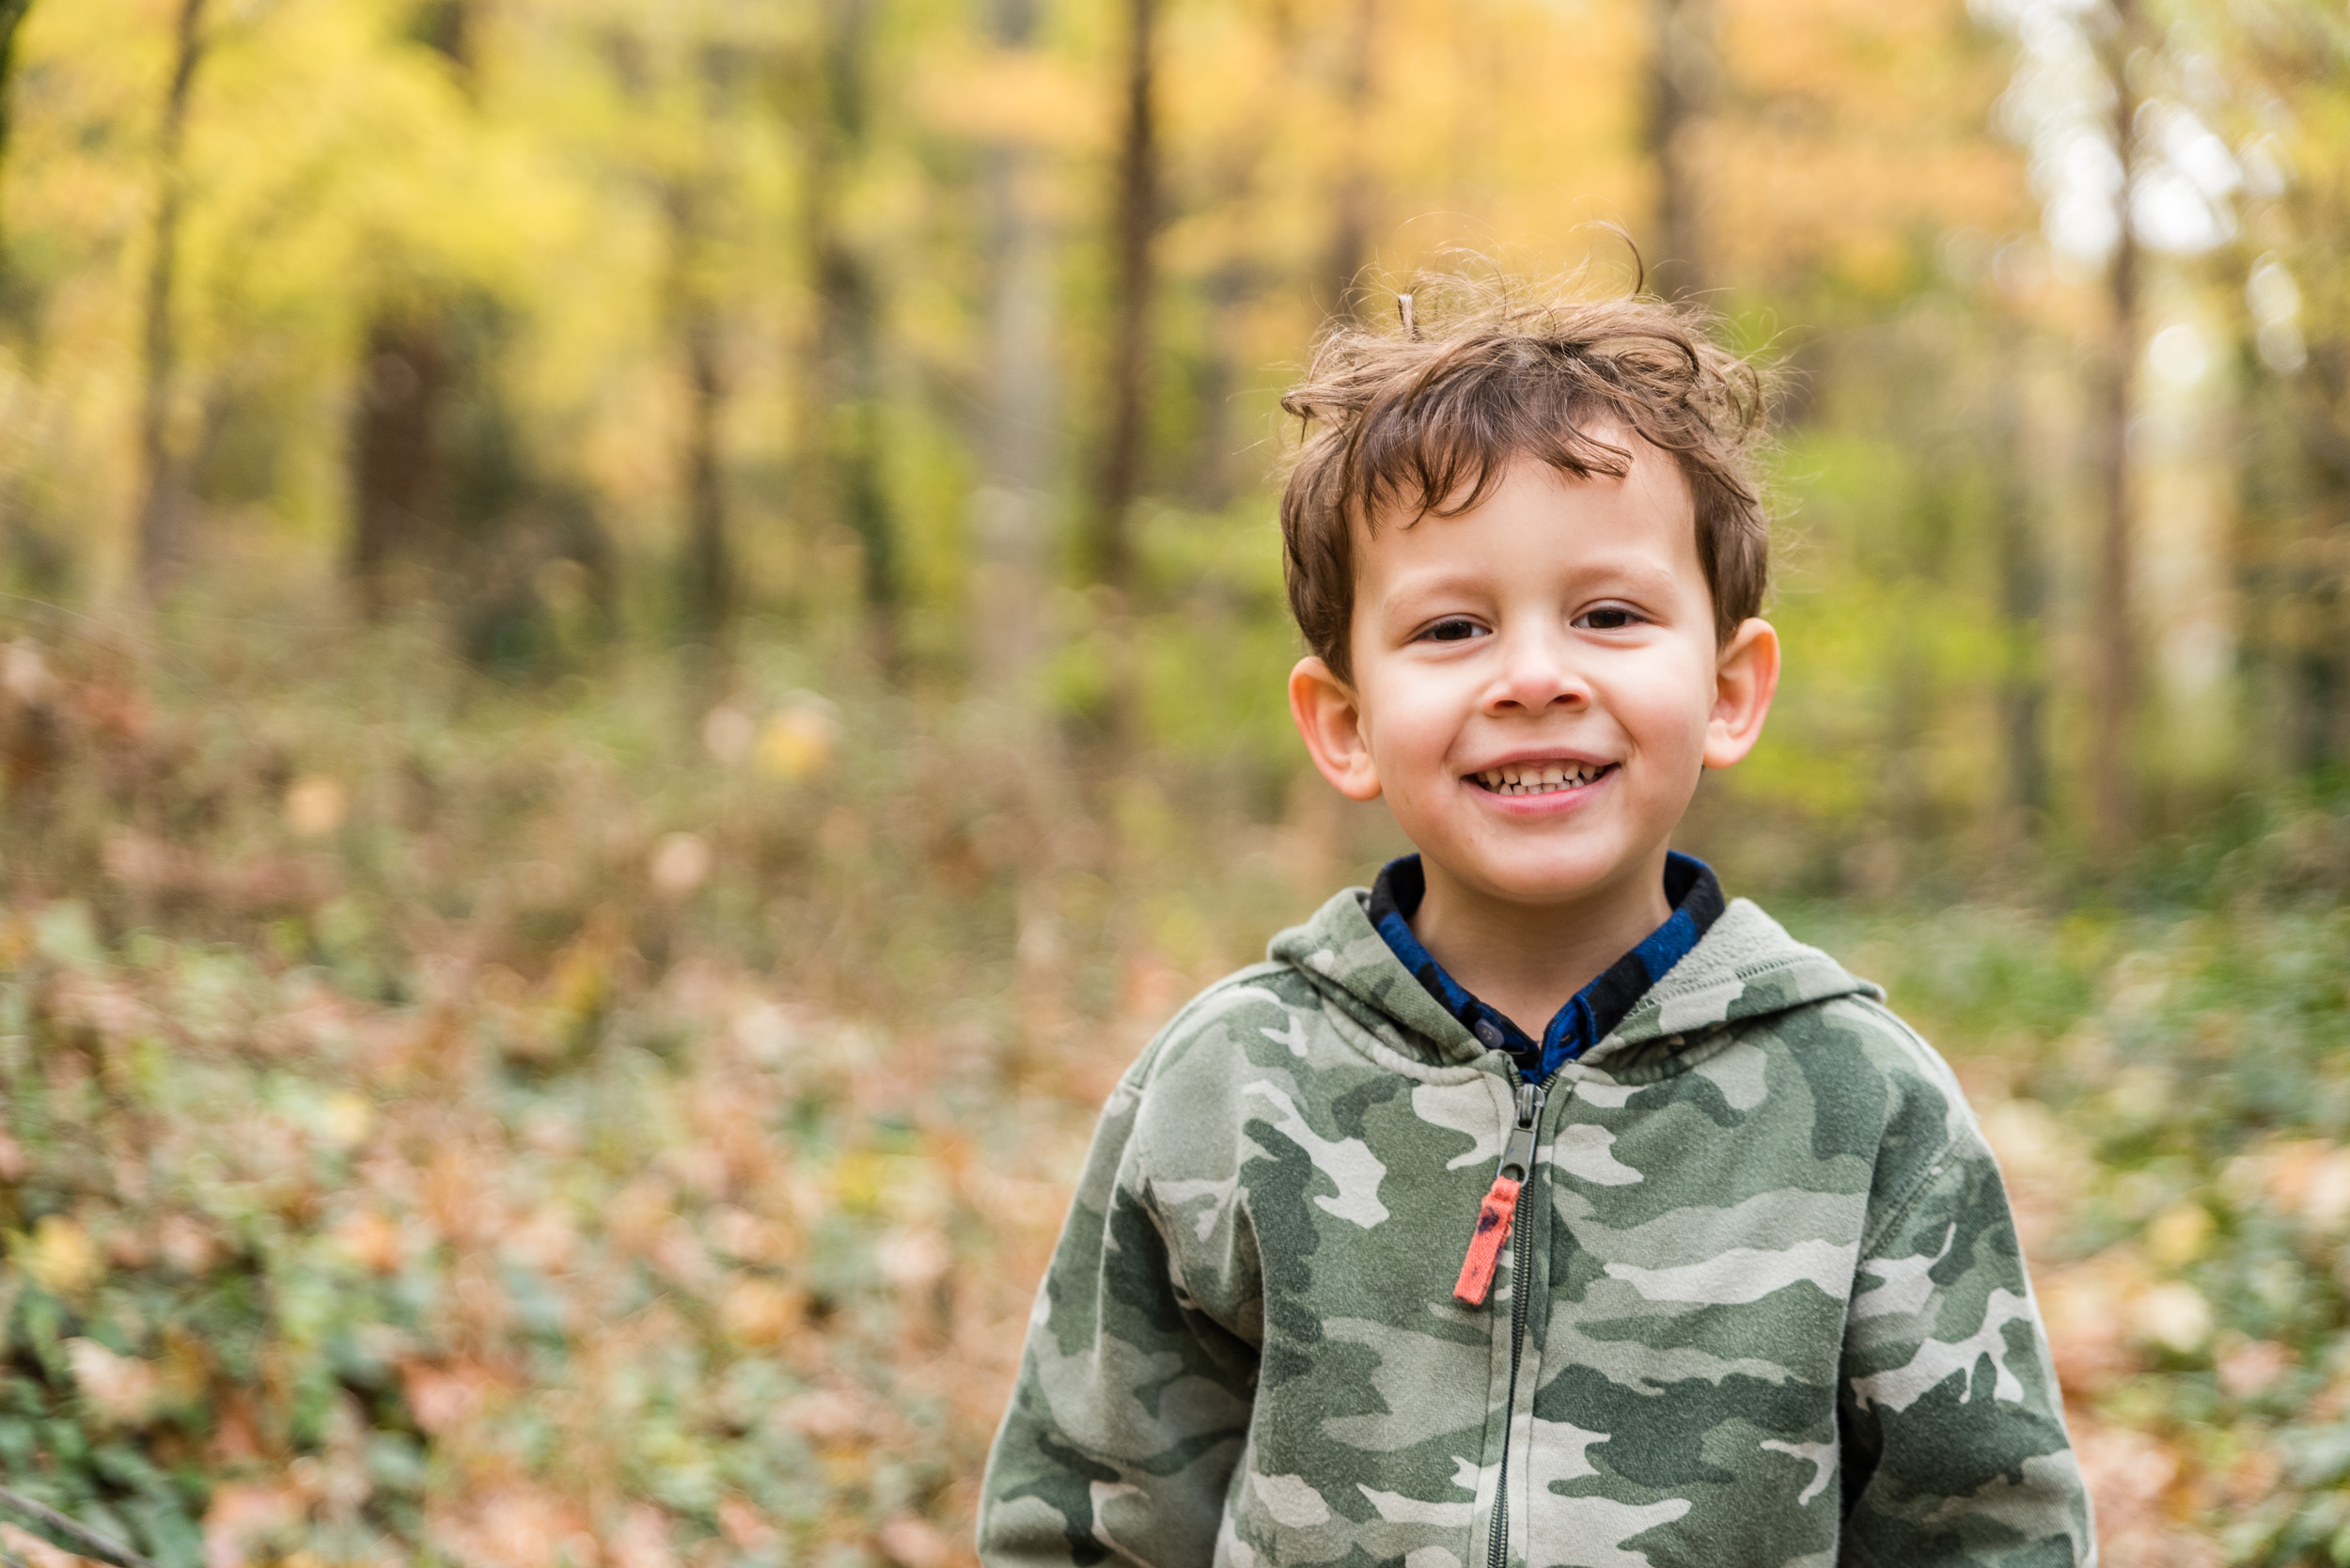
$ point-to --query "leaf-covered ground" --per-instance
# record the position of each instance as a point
(574, 1273)
(2169, 1097)
(440, 1125)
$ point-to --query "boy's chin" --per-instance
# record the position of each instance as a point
(1540, 882)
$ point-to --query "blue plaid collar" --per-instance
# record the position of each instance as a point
(1593, 1012)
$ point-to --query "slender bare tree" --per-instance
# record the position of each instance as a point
(1017, 440)
(1352, 195)
(2113, 692)
(848, 314)
(161, 511)
(693, 197)
(705, 564)
(397, 475)
(1133, 233)
(1685, 72)
(12, 15)
(2023, 569)
(398, 454)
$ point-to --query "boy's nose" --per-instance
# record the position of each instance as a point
(1537, 676)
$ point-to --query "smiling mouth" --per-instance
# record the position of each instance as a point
(1541, 778)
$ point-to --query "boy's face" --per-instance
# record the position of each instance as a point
(1537, 683)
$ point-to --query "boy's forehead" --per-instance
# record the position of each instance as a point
(1649, 509)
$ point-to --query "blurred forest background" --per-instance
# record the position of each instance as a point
(642, 642)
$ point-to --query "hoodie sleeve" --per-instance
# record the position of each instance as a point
(1954, 1447)
(1131, 1403)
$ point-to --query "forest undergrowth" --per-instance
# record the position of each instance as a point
(622, 1123)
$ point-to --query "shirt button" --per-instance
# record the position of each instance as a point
(1489, 1033)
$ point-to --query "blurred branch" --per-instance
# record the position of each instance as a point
(78, 1537)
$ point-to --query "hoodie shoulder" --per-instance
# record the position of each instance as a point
(1747, 966)
(1341, 954)
(1262, 993)
(1751, 1004)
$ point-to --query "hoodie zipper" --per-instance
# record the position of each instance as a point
(1517, 1153)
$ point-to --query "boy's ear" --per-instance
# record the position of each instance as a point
(1330, 720)
(1745, 676)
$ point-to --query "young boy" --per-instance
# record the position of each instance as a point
(1536, 1206)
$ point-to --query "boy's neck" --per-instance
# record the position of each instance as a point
(1528, 960)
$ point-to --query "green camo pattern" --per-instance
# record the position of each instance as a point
(1773, 1309)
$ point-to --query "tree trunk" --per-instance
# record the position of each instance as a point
(1227, 293)
(397, 472)
(1683, 77)
(2306, 563)
(401, 534)
(162, 513)
(2114, 686)
(1012, 506)
(1349, 227)
(2023, 689)
(1134, 231)
(1216, 470)
(707, 574)
(2022, 606)
(12, 14)
(848, 322)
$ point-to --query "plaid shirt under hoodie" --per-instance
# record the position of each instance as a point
(1690, 887)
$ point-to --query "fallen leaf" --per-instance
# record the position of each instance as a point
(123, 1390)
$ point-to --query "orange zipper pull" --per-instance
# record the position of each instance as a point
(1498, 1213)
(1494, 1217)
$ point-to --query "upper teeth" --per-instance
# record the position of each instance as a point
(1535, 777)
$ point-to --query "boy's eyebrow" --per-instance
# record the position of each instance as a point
(1641, 574)
(1438, 582)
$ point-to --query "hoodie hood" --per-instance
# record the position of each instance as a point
(1745, 967)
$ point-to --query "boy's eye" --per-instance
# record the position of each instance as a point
(1608, 617)
(1453, 628)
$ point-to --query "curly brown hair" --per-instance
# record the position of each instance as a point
(1426, 417)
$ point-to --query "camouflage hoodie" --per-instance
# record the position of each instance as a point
(1762, 1302)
